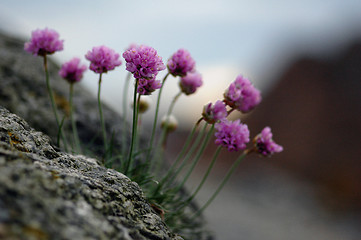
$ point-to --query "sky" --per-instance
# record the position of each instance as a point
(225, 37)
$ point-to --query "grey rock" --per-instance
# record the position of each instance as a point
(48, 194)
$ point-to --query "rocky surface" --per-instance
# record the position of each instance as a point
(48, 194)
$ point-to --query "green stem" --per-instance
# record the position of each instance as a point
(156, 117)
(125, 111)
(226, 178)
(50, 92)
(210, 167)
(73, 124)
(215, 156)
(101, 118)
(196, 159)
(134, 129)
(181, 154)
(188, 155)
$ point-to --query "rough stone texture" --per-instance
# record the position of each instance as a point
(23, 92)
(47, 194)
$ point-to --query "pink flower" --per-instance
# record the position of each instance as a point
(147, 86)
(44, 42)
(242, 95)
(102, 59)
(72, 70)
(232, 135)
(143, 62)
(190, 83)
(215, 113)
(181, 63)
(265, 144)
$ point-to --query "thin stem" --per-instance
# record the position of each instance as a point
(156, 117)
(195, 161)
(101, 117)
(210, 167)
(215, 156)
(134, 129)
(125, 111)
(189, 154)
(73, 124)
(226, 178)
(181, 154)
(50, 92)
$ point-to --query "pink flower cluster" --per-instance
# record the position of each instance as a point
(265, 144)
(190, 82)
(72, 70)
(214, 113)
(232, 135)
(143, 62)
(102, 59)
(147, 86)
(181, 63)
(42, 42)
(242, 95)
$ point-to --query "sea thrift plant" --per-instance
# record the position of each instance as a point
(72, 71)
(265, 144)
(143, 62)
(147, 86)
(232, 135)
(181, 63)
(43, 42)
(190, 82)
(242, 95)
(214, 113)
(102, 59)
(145, 163)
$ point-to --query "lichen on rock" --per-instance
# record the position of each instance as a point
(49, 194)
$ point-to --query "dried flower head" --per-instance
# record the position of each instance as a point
(102, 59)
(143, 62)
(242, 95)
(215, 113)
(144, 104)
(72, 71)
(147, 86)
(264, 143)
(232, 135)
(181, 63)
(170, 123)
(190, 83)
(44, 41)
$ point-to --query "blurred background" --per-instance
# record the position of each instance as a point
(305, 56)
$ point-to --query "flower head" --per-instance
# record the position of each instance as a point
(144, 104)
(169, 122)
(143, 62)
(147, 86)
(264, 143)
(190, 83)
(42, 42)
(72, 70)
(232, 135)
(181, 63)
(215, 113)
(242, 95)
(102, 59)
